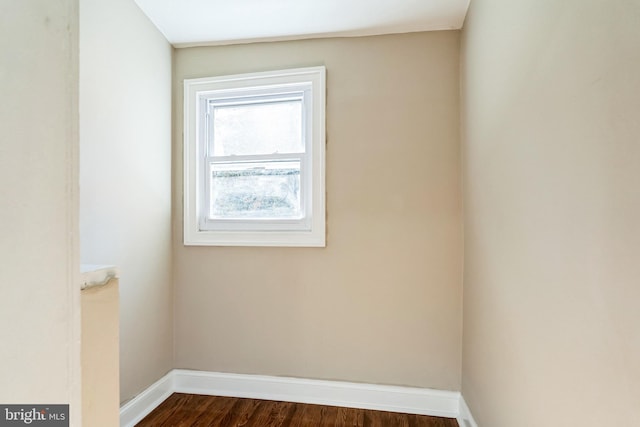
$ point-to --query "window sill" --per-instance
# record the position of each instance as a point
(252, 238)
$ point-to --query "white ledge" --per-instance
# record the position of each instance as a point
(97, 275)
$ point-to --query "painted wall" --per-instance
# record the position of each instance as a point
(552, 202)
(40, 297)
(125, 177)
(100, 355)
(382, 302)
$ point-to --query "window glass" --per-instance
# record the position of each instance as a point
(255, 190)
(258, 128)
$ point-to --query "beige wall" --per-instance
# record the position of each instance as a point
(125, 164)
(100, 358)
(40, 284)
(382, 302)
(552, 204)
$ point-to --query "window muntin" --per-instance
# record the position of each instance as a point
(254, 159)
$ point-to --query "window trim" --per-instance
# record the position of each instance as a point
(196, 93)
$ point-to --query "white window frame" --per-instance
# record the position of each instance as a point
(307, 84)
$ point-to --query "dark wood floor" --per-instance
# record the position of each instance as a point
(185, 410)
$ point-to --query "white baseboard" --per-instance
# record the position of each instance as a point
(333, 393)
(465, 419)
(409, 400)
(140, 406)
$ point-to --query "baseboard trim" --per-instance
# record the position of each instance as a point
(465, 419)
(333, 393)
(411, 400)
(140, 406)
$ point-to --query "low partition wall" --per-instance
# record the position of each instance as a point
(100, 346)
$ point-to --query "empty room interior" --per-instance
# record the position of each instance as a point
(439, 216)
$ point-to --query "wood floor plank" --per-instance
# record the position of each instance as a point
(350, 417)
(231, 417)
(166, 409)
(295, 416)
(245, 411)
(189, 410)
(422, 421)
(213, 414)
(280, 413)
(383, 419)
(306, 415)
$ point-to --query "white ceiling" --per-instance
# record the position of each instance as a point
(193, 22)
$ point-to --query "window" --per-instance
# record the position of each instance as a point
(254, 159)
